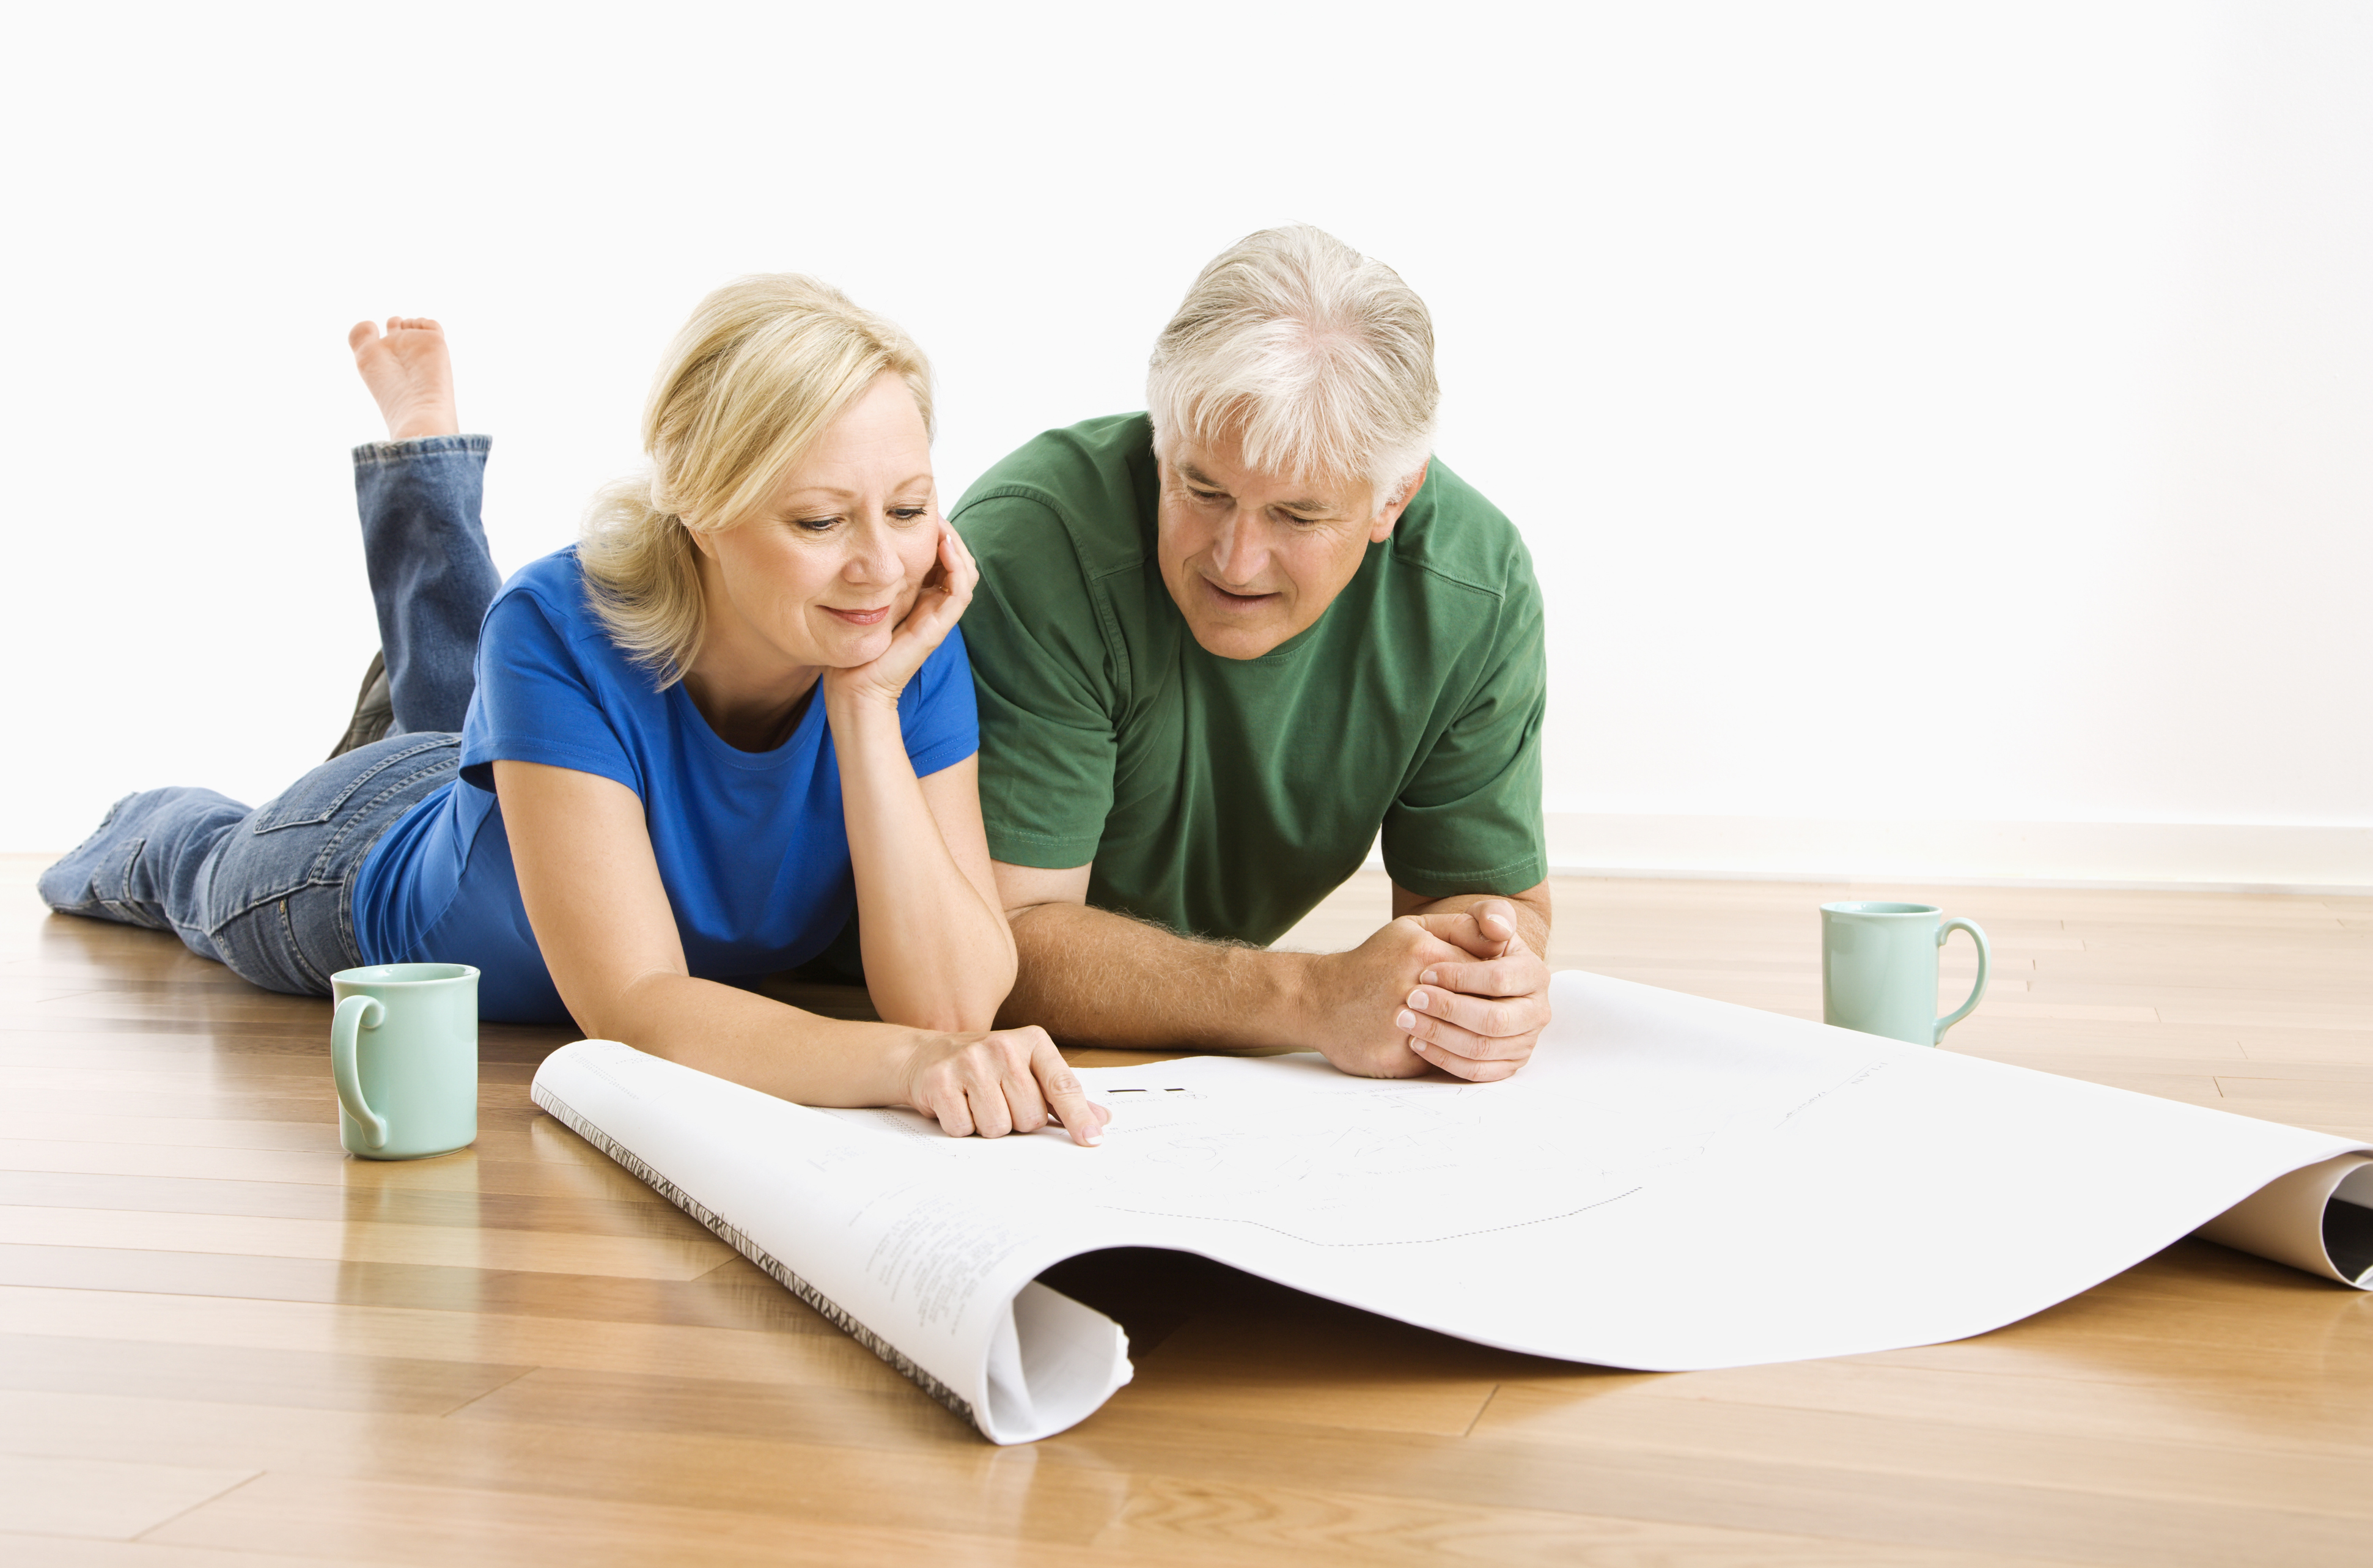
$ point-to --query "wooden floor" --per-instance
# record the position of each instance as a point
(222, 1342)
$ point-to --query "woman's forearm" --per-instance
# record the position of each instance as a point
(593, 894)
(759, 1042)
(938, 952)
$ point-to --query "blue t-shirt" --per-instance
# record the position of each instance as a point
(751, 845)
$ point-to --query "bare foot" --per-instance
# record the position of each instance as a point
(410, 374)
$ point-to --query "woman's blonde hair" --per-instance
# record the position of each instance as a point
(763, 367)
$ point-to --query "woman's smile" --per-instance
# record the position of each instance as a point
(859, 617)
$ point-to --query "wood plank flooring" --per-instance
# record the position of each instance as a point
(223, 1342)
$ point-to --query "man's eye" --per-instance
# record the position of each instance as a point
(1208, 498)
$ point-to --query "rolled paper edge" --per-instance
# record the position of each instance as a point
(2284, 1218)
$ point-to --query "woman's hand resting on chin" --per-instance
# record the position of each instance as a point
(1001, 1081)
(938, 605)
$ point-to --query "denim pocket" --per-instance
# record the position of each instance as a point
(320, 794)
(277, 903)
(344, 843)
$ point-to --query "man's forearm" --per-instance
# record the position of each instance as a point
(1092, 977)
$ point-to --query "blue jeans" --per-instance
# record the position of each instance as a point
(269, 892)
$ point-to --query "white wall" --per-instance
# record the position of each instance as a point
(1953, 417)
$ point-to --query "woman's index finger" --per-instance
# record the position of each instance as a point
(1081, 1118)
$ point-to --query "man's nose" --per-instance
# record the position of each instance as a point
(1236, 552)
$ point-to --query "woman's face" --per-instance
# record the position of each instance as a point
(822, 574)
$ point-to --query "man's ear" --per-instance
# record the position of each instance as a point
(1397, 503)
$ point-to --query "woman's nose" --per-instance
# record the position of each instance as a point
(874, 558)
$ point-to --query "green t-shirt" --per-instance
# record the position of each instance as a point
(1226, 797)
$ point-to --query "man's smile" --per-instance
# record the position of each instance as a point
(1227, 600)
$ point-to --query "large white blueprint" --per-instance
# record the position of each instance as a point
(1672, 1182)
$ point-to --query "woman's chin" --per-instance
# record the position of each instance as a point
(858, 646)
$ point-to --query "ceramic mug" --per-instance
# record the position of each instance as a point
(1878, 969)
(404, 1054)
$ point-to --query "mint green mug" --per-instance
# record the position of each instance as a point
(1878, 969)
(404, 1054)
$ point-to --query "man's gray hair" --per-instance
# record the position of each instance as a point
(1319, 358)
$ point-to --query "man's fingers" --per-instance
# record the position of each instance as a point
(1523, 975)
(1080, 1117)
(1467, 933)
(1496, 916)
(1458, 1066)
(1515, 1046)
(1492, 1017)
(1495, 921)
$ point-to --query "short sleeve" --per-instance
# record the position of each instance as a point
(1469, 818)
(1044, 680)
(536, 702)
(936, 712)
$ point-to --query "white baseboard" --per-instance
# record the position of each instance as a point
(2204, 856)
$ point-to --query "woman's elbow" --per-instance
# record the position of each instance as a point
(617, 1012)
(968, 1015)
(970, 1010)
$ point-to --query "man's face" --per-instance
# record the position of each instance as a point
(1252, 558)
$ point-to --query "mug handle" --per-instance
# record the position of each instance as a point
(365, 1012)
(1985, 963)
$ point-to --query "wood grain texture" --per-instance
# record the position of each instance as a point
(224, 1342)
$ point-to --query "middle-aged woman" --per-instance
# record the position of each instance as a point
(687, 747)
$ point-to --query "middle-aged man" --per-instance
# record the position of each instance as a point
(1219, 645)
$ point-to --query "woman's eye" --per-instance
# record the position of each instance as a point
(907, 514)
(816, 525)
